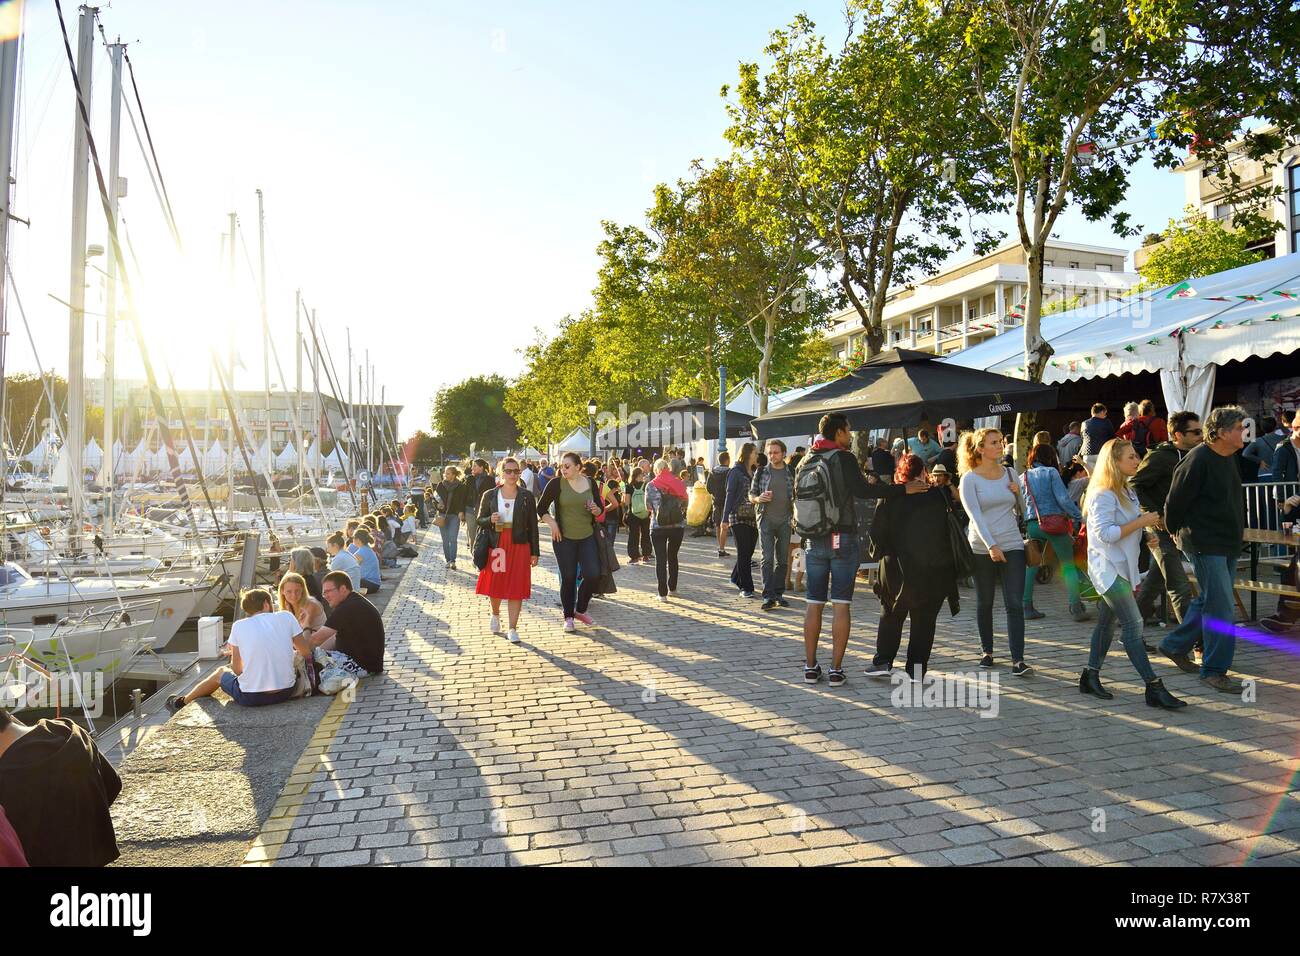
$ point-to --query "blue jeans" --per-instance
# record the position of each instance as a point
(570, 555)
(1063, 545)
(471, 529)
(1011, 573)
(450, 532)
(230, 684)
(775, 540)
(1209, 616)
(823, 566)
(1119, 604)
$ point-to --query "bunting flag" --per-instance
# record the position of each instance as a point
(1250, 298)
(1287, 295)
(1183, 290)
(1217, 298)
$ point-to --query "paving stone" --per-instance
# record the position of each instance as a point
(470, 751)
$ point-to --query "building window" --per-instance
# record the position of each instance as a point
(1104, 267)
(1294, 174)
(1222, 211)
(1048, 263)
(1074, 265)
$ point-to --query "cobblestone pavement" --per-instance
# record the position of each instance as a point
(683, 734)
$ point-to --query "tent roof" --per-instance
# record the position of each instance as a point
(900, 387)
(1221, 318)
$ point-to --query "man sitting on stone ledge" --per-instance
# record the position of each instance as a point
(358, 632)
(261, 670)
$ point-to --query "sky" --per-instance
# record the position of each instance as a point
(435, 174)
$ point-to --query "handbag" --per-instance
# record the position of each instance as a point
(1033, 549)
(485, 543)
(440, 521)
(962, 556)
(1051, 524)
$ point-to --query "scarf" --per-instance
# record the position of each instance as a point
(825, 444)
(669, 485)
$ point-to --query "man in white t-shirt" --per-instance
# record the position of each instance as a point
(528, 478)
(261, 667)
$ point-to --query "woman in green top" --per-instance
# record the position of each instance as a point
(576, 502)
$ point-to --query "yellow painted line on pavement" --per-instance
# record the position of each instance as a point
(275, 832)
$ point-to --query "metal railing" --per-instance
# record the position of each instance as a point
(1263, 501)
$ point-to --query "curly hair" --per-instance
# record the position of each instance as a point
(909, 466)
(968, 448)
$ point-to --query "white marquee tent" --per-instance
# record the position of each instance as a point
(288, 457)
(43, 456)
(92, 456)
(214, 458)
(577, 440)
(1183, 332)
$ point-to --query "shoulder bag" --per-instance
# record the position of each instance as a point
(1033, 549)
(1051, 524)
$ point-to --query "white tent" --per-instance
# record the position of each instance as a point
(185, 459)
(264, 457)
(1184, 332)
(577, 440)
(135, 460)
(42, 456)
(93, 455)
(214, 458)
(159, 461)
(288, 457)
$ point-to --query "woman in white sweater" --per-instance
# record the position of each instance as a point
(1115, 525)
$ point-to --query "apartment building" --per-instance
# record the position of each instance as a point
(979, 297)
(1204, 187)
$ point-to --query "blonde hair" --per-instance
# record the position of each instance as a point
(502, 464)
(292, 578)
(968, 448)
(1106, 476)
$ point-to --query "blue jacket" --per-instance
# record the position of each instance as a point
(1285, 466)
(737, 491)
(1049, 494)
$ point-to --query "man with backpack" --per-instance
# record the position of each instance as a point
(827, 482)
(1144, 430)
(638, 519)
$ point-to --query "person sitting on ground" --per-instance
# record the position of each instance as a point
(357, 630)
(294, 598)
(342, 560)
(56, 788)
(302, 562)
(261, 670)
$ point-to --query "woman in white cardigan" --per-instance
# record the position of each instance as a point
(1115, 525)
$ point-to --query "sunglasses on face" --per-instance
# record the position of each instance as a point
(1189, 431)
(509, 471)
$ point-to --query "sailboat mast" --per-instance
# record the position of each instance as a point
(315, 378)
(77, 283)
(230, 367)
(266, 322)
(297, 387)
(115, 192)
(8, 88)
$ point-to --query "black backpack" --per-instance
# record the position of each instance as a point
(671, 511)
(1141, 430)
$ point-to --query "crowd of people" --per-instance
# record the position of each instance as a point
(1119, 508)
(1125, 511)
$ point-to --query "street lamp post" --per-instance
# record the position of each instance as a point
(591, 422)
(549, 429)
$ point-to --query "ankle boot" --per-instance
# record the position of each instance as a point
(1090, 683)
(1032, 613)
(1157, 696)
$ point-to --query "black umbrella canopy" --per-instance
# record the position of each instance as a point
(687, 419)
(899, 388)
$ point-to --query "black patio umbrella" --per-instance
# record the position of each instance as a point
(684, 420)
(899, 388)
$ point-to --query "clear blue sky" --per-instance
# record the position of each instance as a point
(435, 173)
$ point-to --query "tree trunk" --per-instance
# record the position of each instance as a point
(765, 363)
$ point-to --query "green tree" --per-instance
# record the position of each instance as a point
(1192, 247)
(473, 411)
(1133, 77)
(874, 148)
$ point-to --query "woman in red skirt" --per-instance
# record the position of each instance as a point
(510, 512)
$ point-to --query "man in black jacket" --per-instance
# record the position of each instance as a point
(1204, 511)
(1286, 457)
(717, 487)
(1151, 483)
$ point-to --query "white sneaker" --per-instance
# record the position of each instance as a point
(569, 625)
(512, 636)
(663, 598)
(494, 624)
